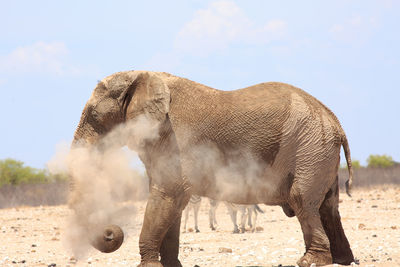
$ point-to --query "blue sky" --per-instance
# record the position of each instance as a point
(52, 53)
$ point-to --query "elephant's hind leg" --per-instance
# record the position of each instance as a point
(317, 243)
(306, 208)
(330, 217)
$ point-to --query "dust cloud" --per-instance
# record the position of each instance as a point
(103, 184)
(232, 175)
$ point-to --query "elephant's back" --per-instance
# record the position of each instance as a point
(269, 93)
(256, 118)
(283, 97)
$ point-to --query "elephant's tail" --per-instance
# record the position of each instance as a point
(346, 149)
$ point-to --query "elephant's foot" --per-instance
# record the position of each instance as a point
(242, 230)
(344, 260)
(197, 230)
(236, 231)
(171, 263)
(320, 258)
(150, 264)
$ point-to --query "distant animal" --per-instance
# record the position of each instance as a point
(194, 204)
(211, 213)
(249, 212)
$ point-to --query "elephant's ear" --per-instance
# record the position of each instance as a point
(148, 95)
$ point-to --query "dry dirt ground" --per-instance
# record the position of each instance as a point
(34, 236)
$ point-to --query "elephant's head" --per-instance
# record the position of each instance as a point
(118, 99)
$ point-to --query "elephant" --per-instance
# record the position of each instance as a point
(269, 143)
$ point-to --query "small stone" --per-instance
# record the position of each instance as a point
(224, 250)
(34, 245)
(361, 226)
(52, 265)
(374, 235)
(259, 229)
(394, 227)
(374, 206)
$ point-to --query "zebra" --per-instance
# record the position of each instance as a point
(211, 214)
(247, 211)
(251, 215)
(194, 203)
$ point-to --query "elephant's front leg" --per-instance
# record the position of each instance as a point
(160, 231)
(170, 245)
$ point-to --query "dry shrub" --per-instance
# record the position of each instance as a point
(33, 194)
(367, 177)
(57, 193)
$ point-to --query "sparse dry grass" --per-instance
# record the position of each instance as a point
(57, 193)
(33, 236)
(367, 177)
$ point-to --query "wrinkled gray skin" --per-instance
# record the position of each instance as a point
(294, 140)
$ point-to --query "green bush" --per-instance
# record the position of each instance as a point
(355, 163)
(14, 172)
(380, 161)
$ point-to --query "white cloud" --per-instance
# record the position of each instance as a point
(356, 29)
(40, 57)
(223, 23)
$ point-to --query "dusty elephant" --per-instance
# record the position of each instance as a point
(270, 143)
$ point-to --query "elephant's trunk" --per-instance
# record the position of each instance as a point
(110, 240)
(111, 237)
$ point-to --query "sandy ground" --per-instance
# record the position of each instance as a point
(34, 236)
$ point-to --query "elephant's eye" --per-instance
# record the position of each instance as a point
(106, 113)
